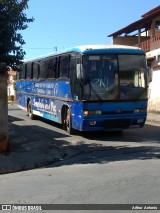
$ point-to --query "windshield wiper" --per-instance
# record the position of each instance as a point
(87, 81)
(95, 92)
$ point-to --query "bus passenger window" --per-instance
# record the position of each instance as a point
(42, 70)
(51, 68)
(20, 72)
(54, 68)
(18, 75)
(29, 74)
(35, 67)
(23, 72)
(64, 66)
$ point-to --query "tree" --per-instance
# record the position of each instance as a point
(12, 21)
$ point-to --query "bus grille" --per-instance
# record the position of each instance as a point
(120, 123)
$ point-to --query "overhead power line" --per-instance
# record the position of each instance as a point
(44, 48)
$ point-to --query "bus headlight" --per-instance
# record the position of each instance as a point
(92, 112)
(140, 110)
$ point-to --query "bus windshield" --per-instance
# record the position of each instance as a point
(114, 77)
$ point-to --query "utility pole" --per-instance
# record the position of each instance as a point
(4, 141)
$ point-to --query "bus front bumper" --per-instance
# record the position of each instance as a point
(113, 124)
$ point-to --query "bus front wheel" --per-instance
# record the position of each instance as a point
(68, 122)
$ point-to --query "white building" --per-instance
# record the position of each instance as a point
(11, 84)
(145, 33)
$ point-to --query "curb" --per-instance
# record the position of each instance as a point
(25, 155)
(153, 117)
(21, 157)
(152, 121)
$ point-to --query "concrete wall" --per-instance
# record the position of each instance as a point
(11, 90)
(128, 40)
(154, 100)
(153, 61)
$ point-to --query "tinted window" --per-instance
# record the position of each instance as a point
(50, 66)
(23, 72)
(132, 76)
(64, 66)
(19, 74)
(35, 67)
(28, 68)
(42, 69)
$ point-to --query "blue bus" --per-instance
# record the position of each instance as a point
(87, 88)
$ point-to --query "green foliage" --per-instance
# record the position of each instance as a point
(12, 21)
(14, 83)
(11, 98)
(2, 67)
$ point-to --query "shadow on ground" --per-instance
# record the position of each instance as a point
(35, 146)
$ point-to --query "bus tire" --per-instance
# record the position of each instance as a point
(68, 122)
(30, 111)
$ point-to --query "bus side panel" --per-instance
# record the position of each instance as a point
(46, 108)
(77, 115)
(47, 98)
(21, 97)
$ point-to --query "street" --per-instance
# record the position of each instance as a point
(90, 147)
(96, 168)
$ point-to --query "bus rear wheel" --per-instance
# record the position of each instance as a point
(30, 111)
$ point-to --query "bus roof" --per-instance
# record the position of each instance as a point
(93, 49)
(106, 48)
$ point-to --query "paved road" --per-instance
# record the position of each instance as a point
(39, 142)
(117, 182)
(94, 168)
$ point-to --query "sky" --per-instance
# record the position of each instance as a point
(60, 24)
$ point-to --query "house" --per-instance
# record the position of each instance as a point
(145, 33)
(11, 85)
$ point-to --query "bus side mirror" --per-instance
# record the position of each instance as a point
(150, 74)
(79, 71)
